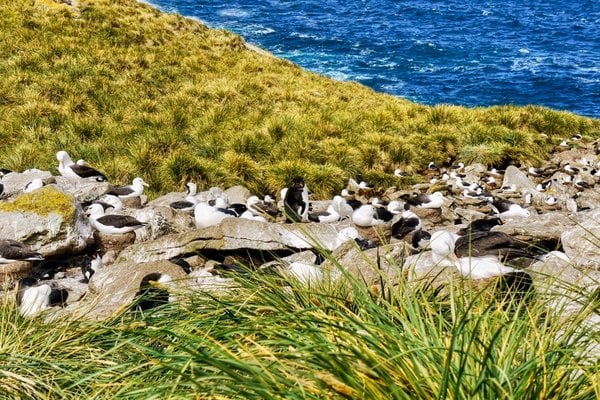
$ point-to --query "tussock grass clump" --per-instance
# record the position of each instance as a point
(140, 93)
(297, 342)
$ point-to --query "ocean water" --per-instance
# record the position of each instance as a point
(468, 52)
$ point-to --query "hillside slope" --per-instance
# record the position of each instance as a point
(137, 92)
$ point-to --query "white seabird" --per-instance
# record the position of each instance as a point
(190, 200)
(206, 215)
(33, 297)
(134, 190)
(327, 216)
(423, 200)
(111, 223)
(259, 207)
(365, 216)
(11, 251)
(110, 201)
(75, 172)
(507, 209)
(35, 184)
(341, 206)
(442, 245)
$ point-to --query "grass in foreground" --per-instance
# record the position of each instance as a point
(139, 93)
(261, 341)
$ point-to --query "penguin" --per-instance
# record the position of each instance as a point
(296, 201)
(91, 265)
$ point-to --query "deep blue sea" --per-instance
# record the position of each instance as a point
(467, 52)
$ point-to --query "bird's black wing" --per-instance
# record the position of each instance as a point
(13, 250)
(121, 190)
(119, 221)
(87, 172)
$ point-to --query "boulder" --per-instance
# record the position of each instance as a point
(15, 182)
(48, 220)
(372, 266)
(588, 200)
(420, 269)
(561, 187)
(473, 172)
(555, 274)
(581, 242)
(567, 290)
(111, 245)
(235, 234)
(514, 176)
(165, 200)
(12, 272)
(116, 286)
(160, 221)
(132, 202)
(237, 194)
(542, 227)
(377, 234)
(84, 191)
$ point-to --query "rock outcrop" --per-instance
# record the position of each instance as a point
(49, 220)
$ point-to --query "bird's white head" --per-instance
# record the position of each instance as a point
(139, 182)
(63, 157)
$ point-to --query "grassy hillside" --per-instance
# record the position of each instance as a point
(137, 92)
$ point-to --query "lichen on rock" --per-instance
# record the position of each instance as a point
(43, 202)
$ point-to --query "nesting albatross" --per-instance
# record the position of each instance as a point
(76, 172)
(134, 190)
(11, 251)
(112, 224)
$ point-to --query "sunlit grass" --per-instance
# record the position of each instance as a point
(263, 340)
(140, 93)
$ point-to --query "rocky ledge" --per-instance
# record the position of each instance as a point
(557, 222)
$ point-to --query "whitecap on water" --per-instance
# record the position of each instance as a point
(255, 29)
(233, 12)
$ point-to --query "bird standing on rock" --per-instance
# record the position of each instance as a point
(295, 202)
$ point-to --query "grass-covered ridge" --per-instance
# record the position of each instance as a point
(138, 92)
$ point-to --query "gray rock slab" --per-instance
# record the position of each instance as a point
(234, 234)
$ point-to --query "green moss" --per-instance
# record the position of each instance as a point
(44, 201)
